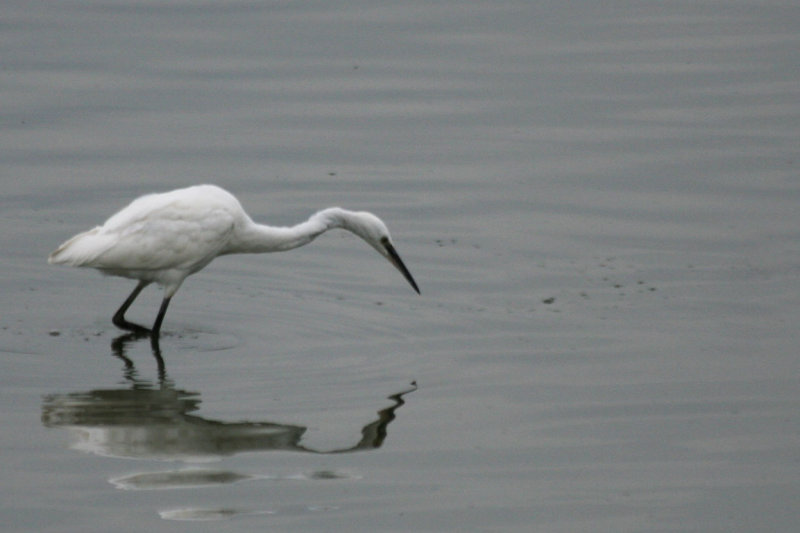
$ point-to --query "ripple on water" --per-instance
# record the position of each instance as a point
(207, 514)
(327, 475)
(196, 477)
(178, 479)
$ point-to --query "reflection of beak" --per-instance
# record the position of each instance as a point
(398, 263)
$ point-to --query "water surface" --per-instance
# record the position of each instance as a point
(598, 200)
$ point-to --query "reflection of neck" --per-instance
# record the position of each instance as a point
(373, 435)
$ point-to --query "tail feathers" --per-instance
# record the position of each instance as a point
(81, 250)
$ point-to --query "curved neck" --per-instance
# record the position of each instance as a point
(260, 238)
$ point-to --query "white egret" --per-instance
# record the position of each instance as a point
(165, 237)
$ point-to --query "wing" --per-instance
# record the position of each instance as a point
(155, 232)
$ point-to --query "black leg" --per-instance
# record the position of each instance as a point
(160, 318)
(119, 316)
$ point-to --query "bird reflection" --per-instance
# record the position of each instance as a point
(118, 349)
(154, 421)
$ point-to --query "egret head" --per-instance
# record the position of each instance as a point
(374, 231)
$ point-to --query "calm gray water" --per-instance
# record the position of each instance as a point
(599, 200)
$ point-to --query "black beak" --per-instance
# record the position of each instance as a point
(398, 263)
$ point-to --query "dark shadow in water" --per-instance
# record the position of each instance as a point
(118, 349)
(153, 420)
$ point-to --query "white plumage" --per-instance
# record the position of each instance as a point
(166, 237)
